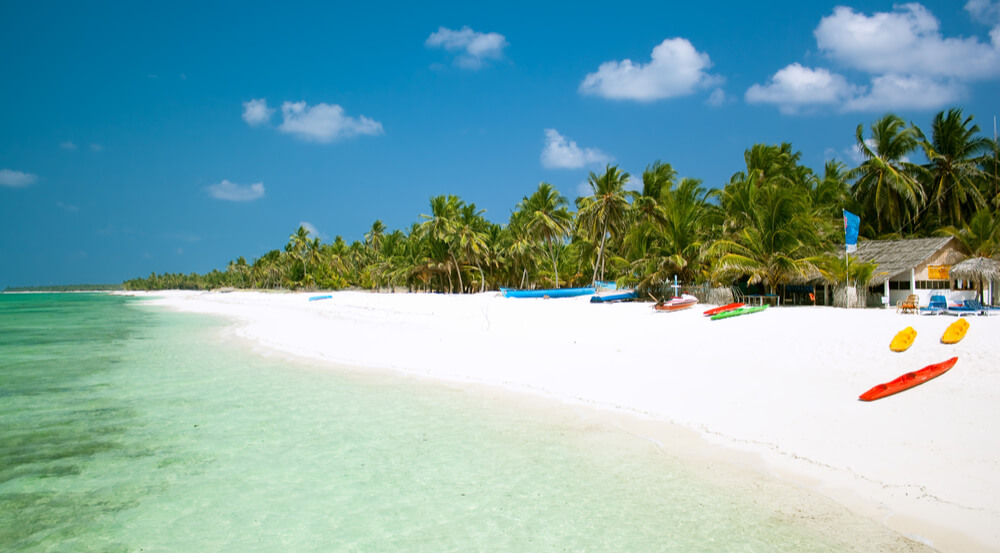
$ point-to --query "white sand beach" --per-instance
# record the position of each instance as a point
(781, 385)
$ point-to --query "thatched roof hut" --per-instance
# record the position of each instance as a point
(979, 270)
(896, 259)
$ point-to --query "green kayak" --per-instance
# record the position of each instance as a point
(738, 312)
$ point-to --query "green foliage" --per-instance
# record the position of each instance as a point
(775, 222)
(839, 270)
(981, 235)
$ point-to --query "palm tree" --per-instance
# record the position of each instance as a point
(989, 168)
(669, 242)
(314, 254)
(517, 246)
(768, 162)
(271, 266)
(440, 227)
(685, 209)
(239, 267)
(886, 183)
(773, 238)
(604, 213)
(981, 235)
(955, 154)
(657, 182)
(374, 236)
(548, 220)
(831, 193)
(470, 238)
(299, 246)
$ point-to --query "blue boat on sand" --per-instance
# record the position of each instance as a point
(547, 292)
(614, 295)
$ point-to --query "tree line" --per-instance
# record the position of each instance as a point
(773, 223)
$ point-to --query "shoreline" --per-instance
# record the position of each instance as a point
(779, 387)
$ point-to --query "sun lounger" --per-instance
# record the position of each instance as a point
(978, 307)
(960, 310)
(937, 305)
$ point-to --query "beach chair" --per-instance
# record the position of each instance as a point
(961, 310)
(978, 307)
(936, 306)
(909, 305)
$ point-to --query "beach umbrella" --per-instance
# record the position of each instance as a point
(979, 269)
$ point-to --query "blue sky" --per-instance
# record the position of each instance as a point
(139, 137)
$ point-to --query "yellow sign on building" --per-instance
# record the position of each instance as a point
(938, 272)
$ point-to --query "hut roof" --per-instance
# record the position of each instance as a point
(897, 256)
(977, 268)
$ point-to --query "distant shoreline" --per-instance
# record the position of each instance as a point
(84, 288)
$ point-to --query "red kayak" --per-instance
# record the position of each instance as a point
(908, 380)
(723, 309)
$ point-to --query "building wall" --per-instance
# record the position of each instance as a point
(926, 286)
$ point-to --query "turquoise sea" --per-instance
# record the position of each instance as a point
(124, 428)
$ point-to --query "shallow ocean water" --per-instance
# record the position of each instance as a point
(126, 428)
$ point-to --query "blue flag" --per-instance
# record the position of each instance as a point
(851, 224)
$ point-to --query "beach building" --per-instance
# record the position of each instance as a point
(918, 266)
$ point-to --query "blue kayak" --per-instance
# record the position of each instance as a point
(315, 298)
(547, 292)
(615, 295)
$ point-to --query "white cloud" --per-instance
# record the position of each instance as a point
(324, 122)
(890, 92)
(560, 153)
(68, 145)
(256, 112)
(675, 69)
(16, 179)
(795, 87)
(988, 12)
(233, 192)
(984, 10)
(472, 47)
(96, 148)
(905, 41)
(910, 64)
(716, 98)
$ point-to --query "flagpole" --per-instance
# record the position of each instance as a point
(851, 226)
(847, 267)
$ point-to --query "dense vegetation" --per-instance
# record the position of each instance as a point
(775, 222)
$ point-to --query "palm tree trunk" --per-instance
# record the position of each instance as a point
(600, 254)
(555, 263)
(458, 269)
(482, 277)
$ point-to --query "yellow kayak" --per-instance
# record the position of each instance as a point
(955, 332)
(904, 339)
